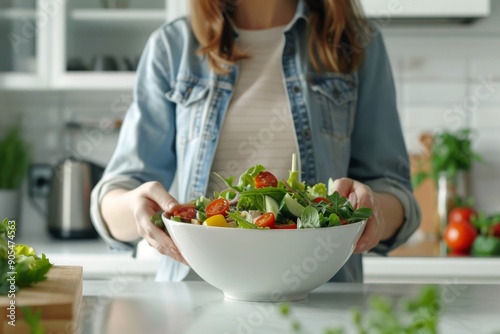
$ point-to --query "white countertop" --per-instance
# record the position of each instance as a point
(99, 262)
(196, 307)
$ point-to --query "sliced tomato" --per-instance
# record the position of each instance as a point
(218, 206)
(265, 179)
(266, 220)
(186, 212)
(321, 199)
(291, 226)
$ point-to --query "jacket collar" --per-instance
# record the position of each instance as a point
(301, 12)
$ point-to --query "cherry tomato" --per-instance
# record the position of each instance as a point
(266, 220)
(459, 236)
(454, 253)
(218, 206)
(321, 199)
(496, 230)
(186, 212)
(291, 226)
(265, 179)
(461, 214)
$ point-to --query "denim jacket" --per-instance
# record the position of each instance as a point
(347, 125)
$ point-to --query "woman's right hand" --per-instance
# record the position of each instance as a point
(145, 201)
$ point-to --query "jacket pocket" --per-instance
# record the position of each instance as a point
(336, 96)
(189, 95)
(187, 90)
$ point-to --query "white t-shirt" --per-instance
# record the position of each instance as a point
(258, 126)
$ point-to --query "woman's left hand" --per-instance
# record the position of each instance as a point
(360, 195)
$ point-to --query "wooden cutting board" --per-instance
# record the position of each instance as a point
(426, 196)
(59, 299)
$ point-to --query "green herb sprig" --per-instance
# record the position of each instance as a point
(418, 315)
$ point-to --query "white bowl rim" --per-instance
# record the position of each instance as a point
(275, 230)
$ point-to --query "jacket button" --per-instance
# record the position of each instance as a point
(296, 89)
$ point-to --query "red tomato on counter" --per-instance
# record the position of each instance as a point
(496, 230)
(459, 236)
(461, 214)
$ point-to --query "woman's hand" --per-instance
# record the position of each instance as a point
(145, 201)
(360, 195)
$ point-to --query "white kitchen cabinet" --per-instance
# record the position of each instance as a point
(24, 28)
(97, 43)
(75, 44)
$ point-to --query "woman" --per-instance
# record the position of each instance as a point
(246, 82)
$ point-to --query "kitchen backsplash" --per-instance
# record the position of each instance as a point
(44, 115)
(447, 77)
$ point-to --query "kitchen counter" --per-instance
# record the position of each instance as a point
(99, 262)
(196, 307)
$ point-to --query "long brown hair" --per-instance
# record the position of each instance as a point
(333, 24)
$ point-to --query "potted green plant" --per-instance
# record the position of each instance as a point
(451, 159)
(451, 155)
(14, 161)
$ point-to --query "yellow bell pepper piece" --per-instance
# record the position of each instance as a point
(217, 220)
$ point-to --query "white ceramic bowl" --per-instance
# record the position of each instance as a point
(265, 265)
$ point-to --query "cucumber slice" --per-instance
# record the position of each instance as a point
(330, 187)
(272, 205)
(292, 206)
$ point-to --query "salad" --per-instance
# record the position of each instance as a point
(260, 201)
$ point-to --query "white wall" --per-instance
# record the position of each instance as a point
(441, 73)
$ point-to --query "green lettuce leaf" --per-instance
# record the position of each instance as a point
(242, 222)
(309, 218)
(31, 269)
(318, 190)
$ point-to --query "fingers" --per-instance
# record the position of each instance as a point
(156, 237)
(159, 195)
(370, 237)
(353, 199)
(364, 196)
(360, 195)
(164, 246)
(373, 230)
(153, 196)
(343, 186)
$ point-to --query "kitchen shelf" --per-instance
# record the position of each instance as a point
(111, 16)
(17, 13)
(96, 80)
(21, 81)
(116, 19)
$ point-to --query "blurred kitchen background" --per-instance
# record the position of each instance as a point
(67, 72)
